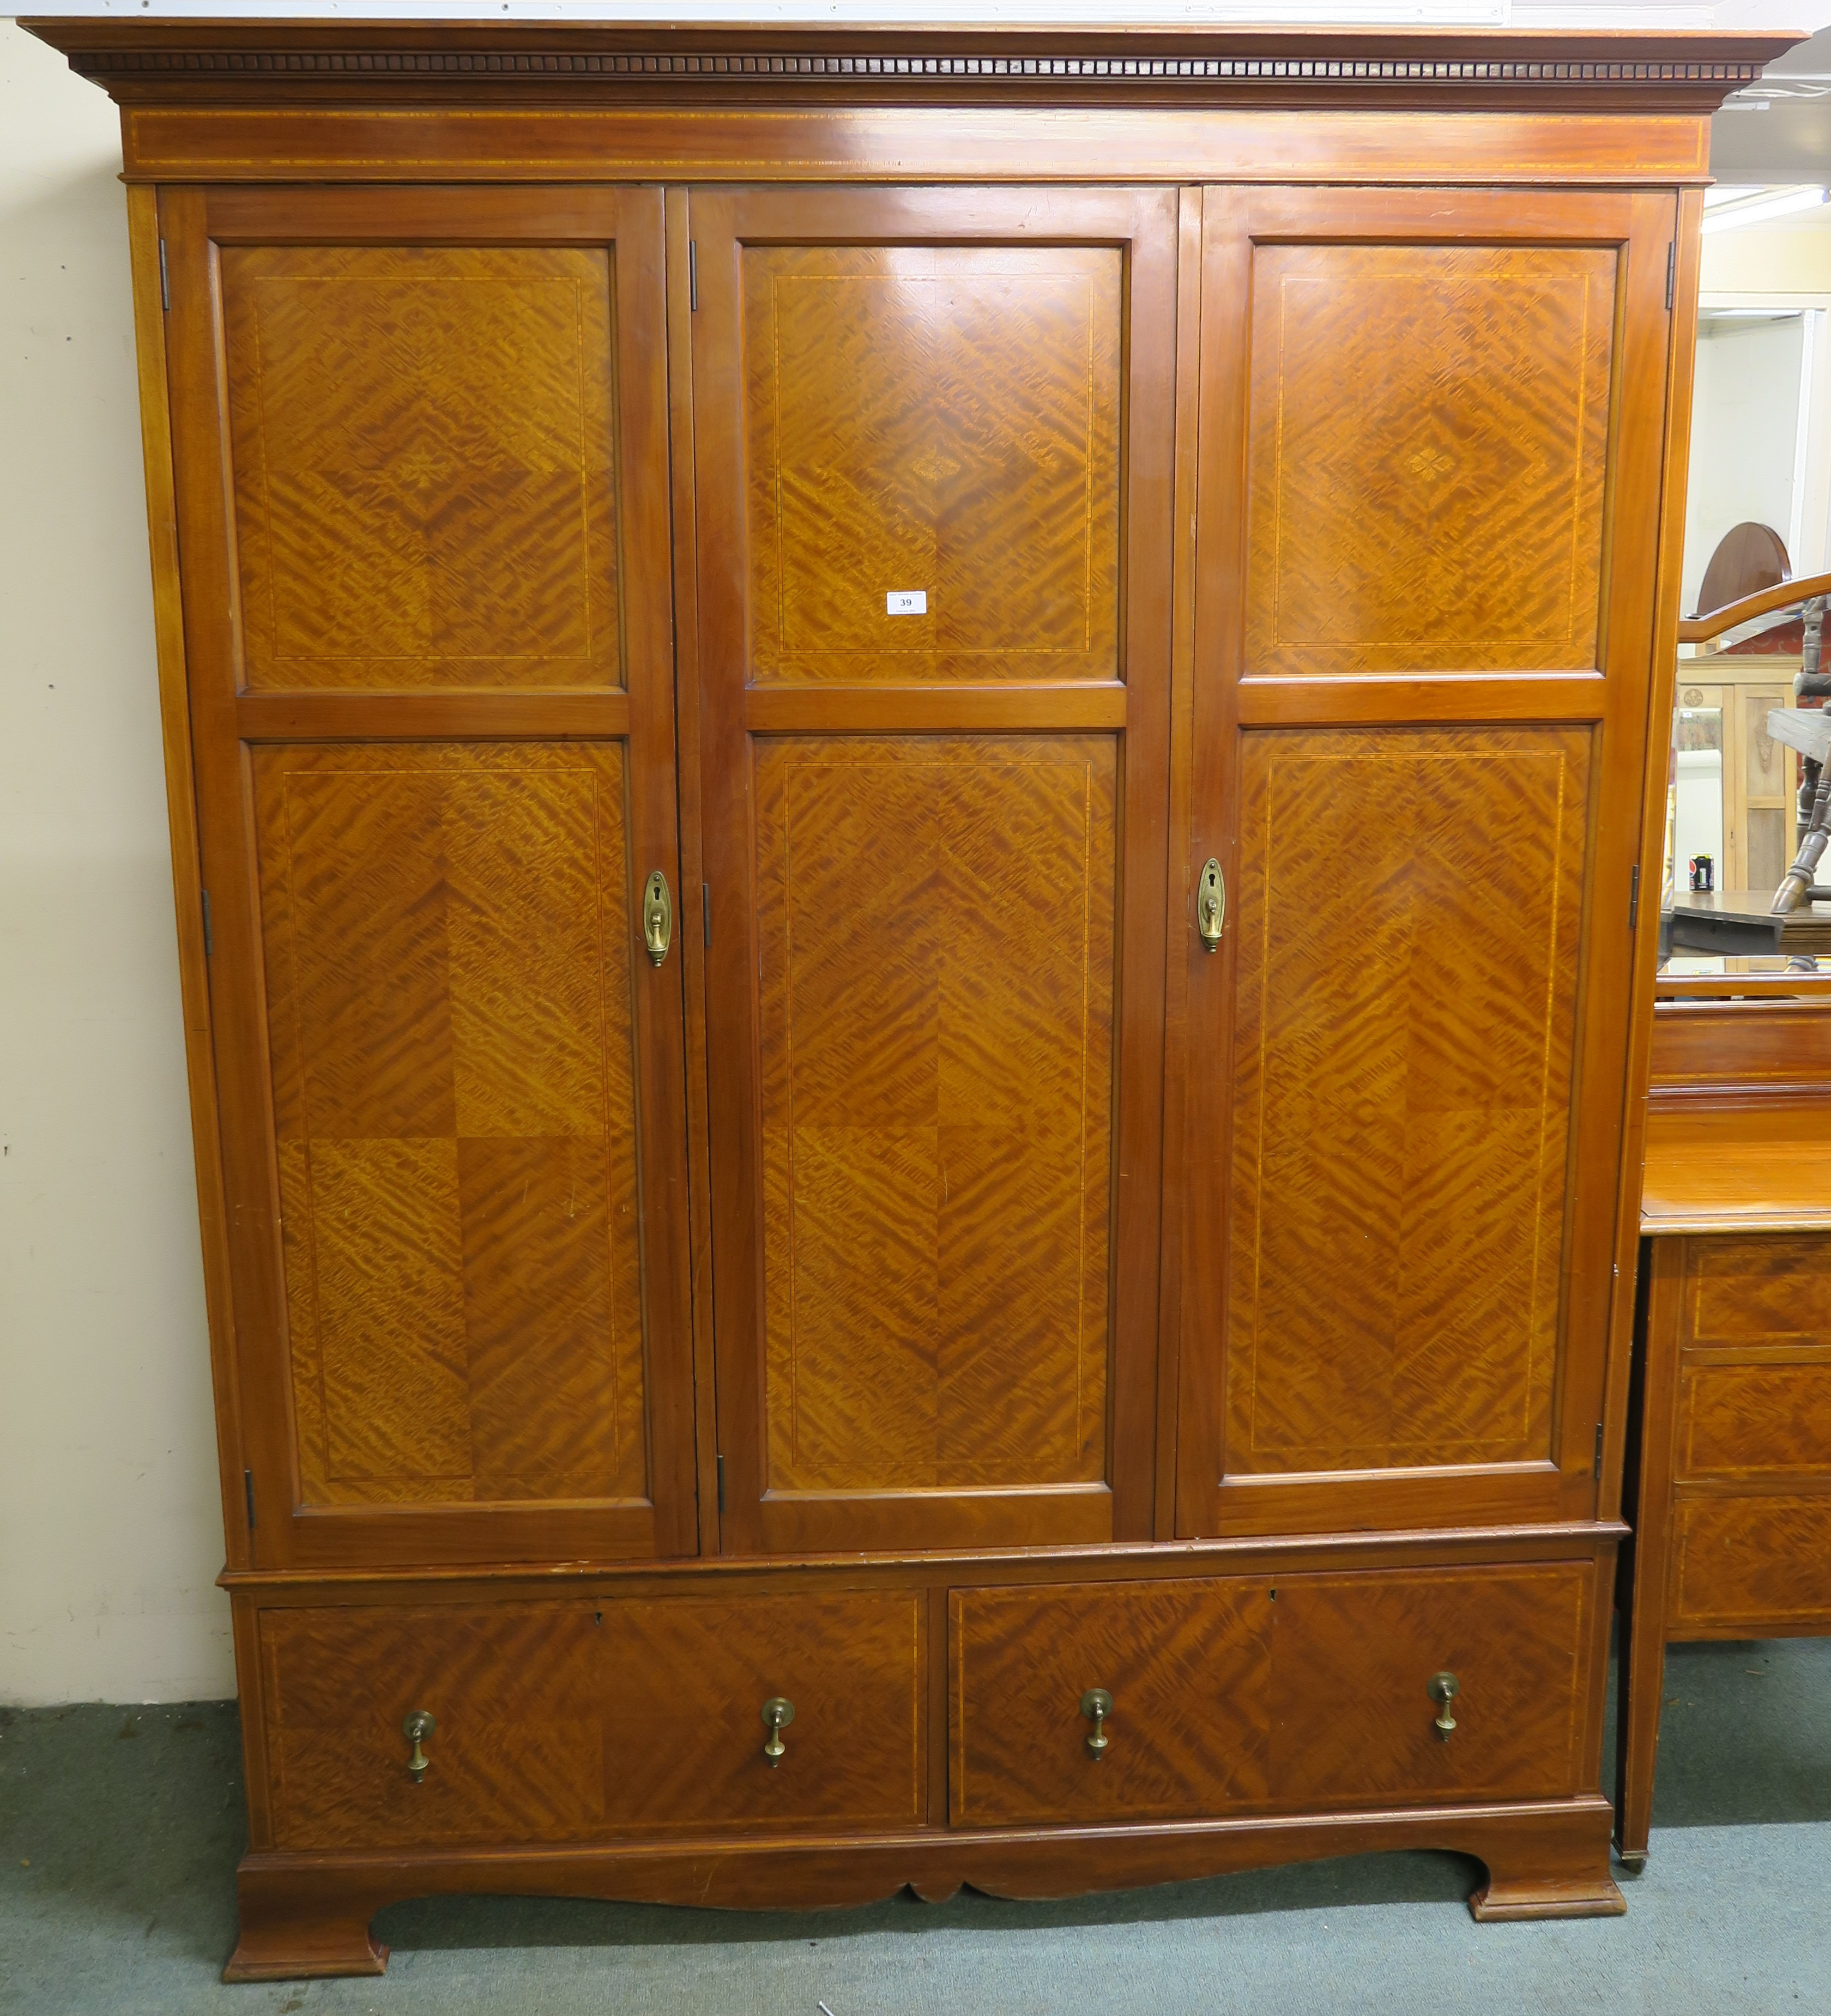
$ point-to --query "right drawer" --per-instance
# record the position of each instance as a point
(1258, 1694)
(1354, 1723)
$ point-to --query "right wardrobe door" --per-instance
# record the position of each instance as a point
(1432, 426)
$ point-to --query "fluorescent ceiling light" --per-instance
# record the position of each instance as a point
(1732, 211)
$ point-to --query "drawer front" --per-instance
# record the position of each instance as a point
(1751, 1561)
(1354, 1722)
(572, 1720)
(1290, 1693)
(1768, 1419)
(1741, 1291)
(1188, 1664)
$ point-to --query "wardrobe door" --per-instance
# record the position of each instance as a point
(932, 434)
(421, 439)
(1431, 436)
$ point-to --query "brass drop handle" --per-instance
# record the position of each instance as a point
(1211, 904)
(1443, 1689)
(657, 917)
(416, 1728)
(778, 1713)
(1096, 1705)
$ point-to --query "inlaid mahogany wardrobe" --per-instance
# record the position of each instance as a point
(910, 776)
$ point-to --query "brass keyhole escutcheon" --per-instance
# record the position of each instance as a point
(778, 1713)
(1443, 1689)
(1211, 904)
(1096, 1705)
(657, 917)
(416, 1728)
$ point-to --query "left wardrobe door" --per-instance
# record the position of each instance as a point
(420, 440)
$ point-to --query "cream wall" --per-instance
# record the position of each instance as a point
(110, 1526)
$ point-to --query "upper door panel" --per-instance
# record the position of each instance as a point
(421, 440)
(425, 479)
(933, 453)
(1427, 452)
(939, 423)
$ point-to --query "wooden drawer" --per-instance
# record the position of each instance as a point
(1353, 1723)
(1296, 1692)
(1751, 1563)
(1188, 1664)
(569, 1720)
(1770, 1417)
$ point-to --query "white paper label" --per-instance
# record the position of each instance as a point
(906, 602)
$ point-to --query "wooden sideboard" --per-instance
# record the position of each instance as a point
(1731, 1482)
(909, 776)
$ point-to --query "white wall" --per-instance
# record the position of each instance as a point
(1744, 437)
(110, 1524)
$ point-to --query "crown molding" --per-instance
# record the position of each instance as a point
(227, 61)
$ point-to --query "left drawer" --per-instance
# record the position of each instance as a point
(574, 1720)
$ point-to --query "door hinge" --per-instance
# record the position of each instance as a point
(1599, 1461)
(692, 275)
(705, 910)
(1671, 271)
(248, 1494)
(1634, 899)
(720, 1462)
(209, 942)
(164, 280)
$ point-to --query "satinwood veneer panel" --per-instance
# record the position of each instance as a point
(447, 932)
(940, 418)
(1188, 1664)
(1754, 1291)
(1409, 902)
(1754, 1421)
(424, 442)
(934, 851)
(1354, 1655)
(570, 1721)
(1756, 1562)
(1428, 456)
(935, 921)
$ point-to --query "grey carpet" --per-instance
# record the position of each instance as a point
(120, 1829)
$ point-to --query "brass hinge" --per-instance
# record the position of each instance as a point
(1599, 1462)
(720, 1461)
(248, 1494)
(164, 280)
(209, 942)
(705, 910)
(692, 275)
(1634, 899)
(1671, 271)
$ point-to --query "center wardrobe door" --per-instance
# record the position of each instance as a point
(933, 475)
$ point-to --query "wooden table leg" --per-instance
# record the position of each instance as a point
(1643, 1637)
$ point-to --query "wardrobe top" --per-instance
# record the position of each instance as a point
(192, 62)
